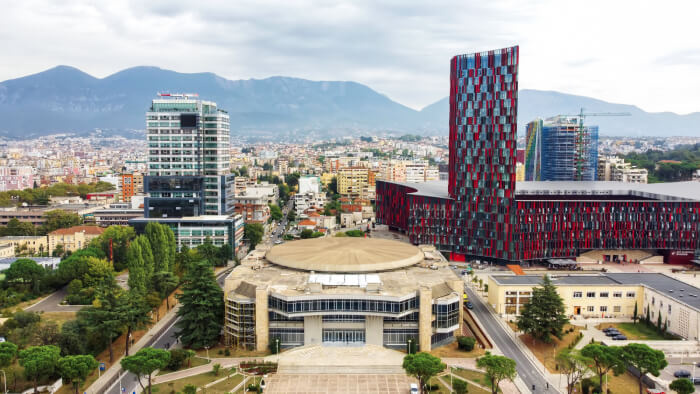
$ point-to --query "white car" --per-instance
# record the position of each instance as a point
(414, 388)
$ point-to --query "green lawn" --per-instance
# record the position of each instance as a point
(639, 331)
(226, 386)
(196, 362)
(473, 376)
(441, 387)
(178, 385)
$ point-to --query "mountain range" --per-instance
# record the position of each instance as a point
(65, 99)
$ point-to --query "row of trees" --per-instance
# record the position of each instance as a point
(54, 220)
(42, 196)
(687, 155)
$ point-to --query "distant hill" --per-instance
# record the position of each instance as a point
(65, 99)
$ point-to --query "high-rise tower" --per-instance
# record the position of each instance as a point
(483, 132)
(188, 158)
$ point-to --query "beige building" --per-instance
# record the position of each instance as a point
(343, 291)
(613, 168)
(73, 238)
(353, 182)
(607, 295)
(31, 244)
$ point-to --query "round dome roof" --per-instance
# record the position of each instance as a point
(345, 254)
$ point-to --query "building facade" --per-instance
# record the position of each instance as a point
(73, 238)
(194, 231)
(16, 178)
(188, 157)
(481, 213)
(353, 182)
(342, 291)
(613, 168)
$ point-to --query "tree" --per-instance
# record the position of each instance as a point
(682, 386)
(47, 334)
(422, 366)
(202, 307)
(59, 218)
(658, 322)
(133, 310)
(544, 315)
(164, 282)
(333, 185)
(572, 365)
(648, 319)
(275, 212)
(459, 386)
(26, 272)
(498, 368)
(76, 369)
(254, 233)
(145, 362)
(291, 215)
(104, 320)
(38, 362)
(644, 359)
(306, 233)
(163, 253)
(120, 236)
(634, 314)
(207, 251)
(72, 338)
(466, 343)
(139, 259)
(605, 359)
(189, 389)
(216, 368)
(8, 351)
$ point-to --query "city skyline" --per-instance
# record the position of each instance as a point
(381, 46)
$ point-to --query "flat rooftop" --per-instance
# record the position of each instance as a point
(346, 254)
(672, 288)
(596, 190)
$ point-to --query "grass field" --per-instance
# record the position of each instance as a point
(225, 386)
(452, 350)
(178, 385)
(638, 331)
(195, 362)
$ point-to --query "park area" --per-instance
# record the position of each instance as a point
(226, 384)
(546, 352)
(639, 331)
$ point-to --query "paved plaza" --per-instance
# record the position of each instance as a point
(327, 383)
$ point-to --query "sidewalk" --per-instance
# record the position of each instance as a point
(109, 376)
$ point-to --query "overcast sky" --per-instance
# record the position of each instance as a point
(638, 52)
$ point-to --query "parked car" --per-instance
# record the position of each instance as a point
(609, 329)
(470, 305)
(414, 388)
(696, 380)
(681, 373)
(619, 338)
(612, 333)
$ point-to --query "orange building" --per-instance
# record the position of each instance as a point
(131, 184)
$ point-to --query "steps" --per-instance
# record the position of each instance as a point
(344, 360)
(340, 369)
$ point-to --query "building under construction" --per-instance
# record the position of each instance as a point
(561, 149)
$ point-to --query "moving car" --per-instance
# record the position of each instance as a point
(681, 373)
(414, 388)
(470, 305)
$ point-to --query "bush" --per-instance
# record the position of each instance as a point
(459, 386)
(254, 388)
(355, 233)
(466, 343)
(227, 352)
(588, 385)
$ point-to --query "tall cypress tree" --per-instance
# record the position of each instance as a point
(544, 315)
(157, 238)
(139, 259)
(172, 248)
(202, 307)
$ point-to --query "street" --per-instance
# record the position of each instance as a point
(528, 372)
(52, 303)
(127, 382)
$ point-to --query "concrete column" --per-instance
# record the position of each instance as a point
(262, 327)
(313, 330)
(374, 330)
(458, 287)
(425, 317)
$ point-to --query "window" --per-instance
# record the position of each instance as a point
(604, 294)
(603, 308)
(631, 294)
(653, 301)
(617, 294)
(669, 308)
(578, 294)
(590, 308)
(617, 309)
(590, 294)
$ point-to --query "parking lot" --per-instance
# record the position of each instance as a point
(327, 383)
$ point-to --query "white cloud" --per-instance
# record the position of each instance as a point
(635, 52)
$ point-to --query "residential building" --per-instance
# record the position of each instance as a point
(557, 149)
(238, 233)
(353, 182)
(16, 178)
(302, 202)
(309, 184)
(342, 291)
(480, 213)
(188, 158)
(73, 238)
(32, 244)
(613, 168)
(610, 295)
(131, 184)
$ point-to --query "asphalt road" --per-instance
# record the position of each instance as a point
(127, 382)
(528, 372)
(52, 303)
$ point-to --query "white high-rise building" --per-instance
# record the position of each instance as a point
(188, 157)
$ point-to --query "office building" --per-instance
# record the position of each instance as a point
(480, 212)
(188, 158)
(557, 149)
(342, 291)
(610, 295)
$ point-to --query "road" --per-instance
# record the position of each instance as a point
(530, 373)
(52, 303)
(127, 382)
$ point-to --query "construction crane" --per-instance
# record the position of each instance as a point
(581, 134)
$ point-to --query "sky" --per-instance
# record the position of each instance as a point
(640, 52)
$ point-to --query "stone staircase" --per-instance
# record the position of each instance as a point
(318, 359)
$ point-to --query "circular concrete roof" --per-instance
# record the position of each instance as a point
(345, 254)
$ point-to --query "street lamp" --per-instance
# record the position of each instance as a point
(207, 348)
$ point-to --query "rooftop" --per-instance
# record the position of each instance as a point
(598, 190)
(94, 230)
(345, 254)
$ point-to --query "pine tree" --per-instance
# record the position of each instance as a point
(134, 313)
(634, 314)
(202, 307)
(544, 315)
(648, 319)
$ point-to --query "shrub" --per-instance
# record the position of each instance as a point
(254, 388)
(227, 352)
(177, 358)
(459, 386)
(466, 343)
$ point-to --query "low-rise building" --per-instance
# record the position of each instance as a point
(116, 215)
(612, 295)
(613, 168)
(32, 244)
(73, 238)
